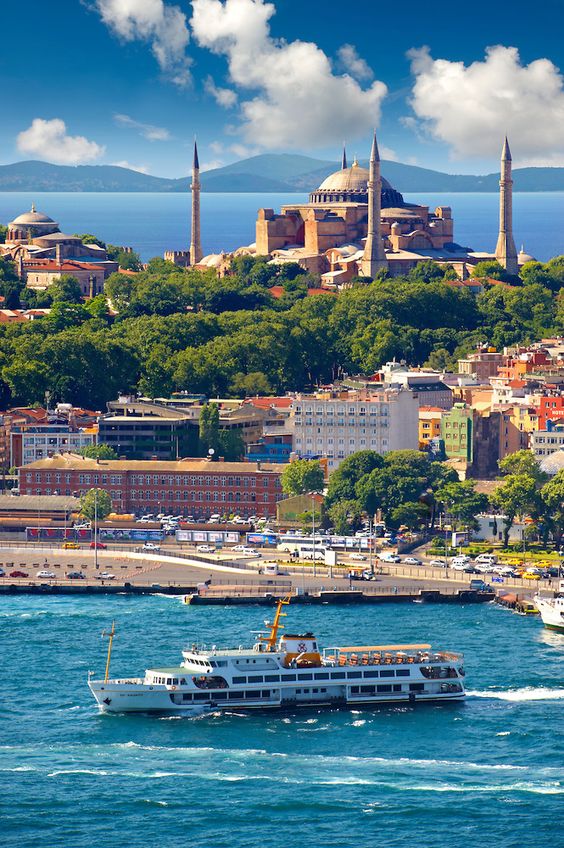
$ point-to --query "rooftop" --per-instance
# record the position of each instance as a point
(75, 462)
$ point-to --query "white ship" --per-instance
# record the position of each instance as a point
(286, 672)
(552, 610)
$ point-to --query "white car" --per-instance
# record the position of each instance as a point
(251, 552)
(150, 546)
(389, 558)
(438, 563)
(45, 574)
(239, 548)
(458, 566)
(205, 549)
(412, 561)
(358, 557)
(105, 575)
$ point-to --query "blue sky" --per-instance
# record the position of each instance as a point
(132, 81)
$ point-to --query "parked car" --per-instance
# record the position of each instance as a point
(358, 557)
(100, 545)
(205, 549)
(75, 575)
(16, 573)
(150, 546)
(471, 569)
(2, 572)
(412, 561)
(105, 575)
(251, 552)
(486, 559)
(438, 563)
(71, 546)
(531, 575)
(45, 574)
(458, 566)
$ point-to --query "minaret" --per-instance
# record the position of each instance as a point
(344, 165)
(505, 252)
(374, 256)
(195, 243)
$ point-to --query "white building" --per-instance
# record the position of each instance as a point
(546, 442)
(38, 442)
(337, 424)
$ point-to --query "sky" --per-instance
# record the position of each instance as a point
(132, 82)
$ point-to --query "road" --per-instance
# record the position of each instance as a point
(151, 568)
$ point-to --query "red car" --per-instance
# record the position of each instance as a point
(100, 545)
(19, 574)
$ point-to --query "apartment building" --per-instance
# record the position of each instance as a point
(335, 424)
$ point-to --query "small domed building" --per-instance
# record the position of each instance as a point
(30, 225)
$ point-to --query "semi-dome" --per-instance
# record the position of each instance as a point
(350, 185)
(523, 257)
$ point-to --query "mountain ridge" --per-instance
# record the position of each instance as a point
(269, 172)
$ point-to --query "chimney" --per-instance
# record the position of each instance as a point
(58, 257)
(221, 459)
(258, 464)
(154, 458)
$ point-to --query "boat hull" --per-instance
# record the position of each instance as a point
(551, 613)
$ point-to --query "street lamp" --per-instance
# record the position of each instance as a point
(95, 529)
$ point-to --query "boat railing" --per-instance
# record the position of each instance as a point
(134, 681)
(337, 657)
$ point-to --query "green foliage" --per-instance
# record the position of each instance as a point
(343, 481)
(522, 462)
(461, 502)
(302, 476)
(88, 238)
(410, 514)
(129, 260)
(65, 289)
(518, 495)
(209, 428)
(3, 233)
(491, 268)
(345, 515)
(98, 452)
(95, 503)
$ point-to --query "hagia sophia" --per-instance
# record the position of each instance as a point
(356, 224)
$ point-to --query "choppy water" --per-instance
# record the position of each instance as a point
(153, 223)
(490, 770)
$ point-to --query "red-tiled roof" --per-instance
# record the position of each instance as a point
(267, 402)
(65, 265)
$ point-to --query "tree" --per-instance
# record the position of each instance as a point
(127, 259)
(209, 428)
(95, 503)
(100, 451)
(522, 462)
(345, 516)
(517, 495)
(343, 481)
(231, 445)
(251, 385)
(491, 268)
(88, 238)
(410, 514)
(461, 502)
(65, 288)
(302, 476)
(552, 498)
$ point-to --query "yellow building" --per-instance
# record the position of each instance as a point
(429, 424)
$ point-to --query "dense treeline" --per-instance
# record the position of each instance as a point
(188, 330)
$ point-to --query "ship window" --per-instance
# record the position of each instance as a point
(288, 676)
(201, 696)
(175, 681)
(323, 690)
(355, 674)
(402, 672)
(368, 690)
(234, 696)
(187, 696)
(253, 693)
(385, 688)
(266, 693)
(315, 690)
(354, 690)
(298, 691)
(387, 672)
(255, 678)
(272, 678)
(371, 673)
(397, 687)
(322, 675)
(169, 681)
(220, 696)
(305, 676)
(338, 675)
(239, 680)
(416, 687)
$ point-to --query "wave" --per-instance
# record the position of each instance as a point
(528, 693)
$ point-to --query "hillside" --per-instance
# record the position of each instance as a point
(265, 173)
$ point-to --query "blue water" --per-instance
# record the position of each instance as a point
(488, 771)
(153, 223)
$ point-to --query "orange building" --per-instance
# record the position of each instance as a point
(429, 424)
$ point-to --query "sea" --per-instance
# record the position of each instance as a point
(488, 771)
(153, 223)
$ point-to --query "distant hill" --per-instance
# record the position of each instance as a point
(269, 172)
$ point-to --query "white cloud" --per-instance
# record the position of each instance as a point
(226, 97)
(297, 101)
(472, 107)
(163, 26)
(148, 131)
(211, 165)
(49, 140)
(143, 169)
(353, 63)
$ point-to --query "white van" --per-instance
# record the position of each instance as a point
(271, 568)
(486, 559)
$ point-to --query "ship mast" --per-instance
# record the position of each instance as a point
(110, 634)
(270, 641)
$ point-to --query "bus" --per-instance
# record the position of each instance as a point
(291, 542)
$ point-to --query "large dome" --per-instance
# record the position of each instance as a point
(350, 185)
(34, 218)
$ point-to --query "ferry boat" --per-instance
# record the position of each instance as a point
(552, 610)
(285, 672)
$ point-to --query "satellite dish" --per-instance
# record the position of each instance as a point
(211, 451)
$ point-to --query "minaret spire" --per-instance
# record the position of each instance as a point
(344, 165)
(505, 251)
(195, 243)
(374, 256)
